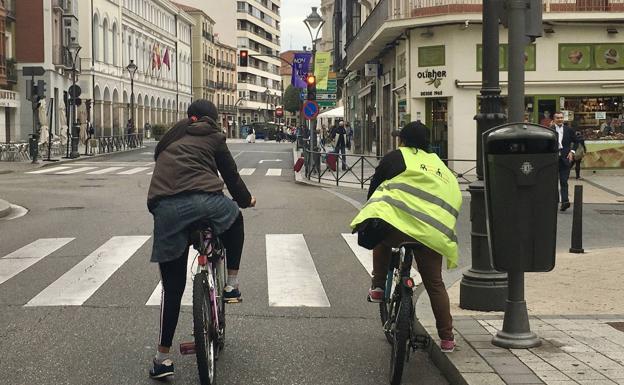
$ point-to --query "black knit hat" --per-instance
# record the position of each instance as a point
(201, 108)
(414, 134)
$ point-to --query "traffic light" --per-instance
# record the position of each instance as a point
(41, 89)
(243, 58)
(311, 82)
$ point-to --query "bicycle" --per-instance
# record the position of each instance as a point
(208, 305)
(397, 312)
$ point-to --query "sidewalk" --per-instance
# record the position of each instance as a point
(578, 312)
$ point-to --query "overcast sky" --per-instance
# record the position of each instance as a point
(294, 33)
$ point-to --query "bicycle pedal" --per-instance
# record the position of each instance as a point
(233, 300)
(187, 348)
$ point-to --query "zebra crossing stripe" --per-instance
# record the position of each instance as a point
(133, 171)
(246, 171)
(47, 170)
(293, 280)
(274, 172)
(150, 173)
(75, 170)
(78, 284)
(21, 259)
(187, 297)
(104, 170)
(365, 256)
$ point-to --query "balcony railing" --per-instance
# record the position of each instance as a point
(226, 108)
(61, 57)
(389, 10)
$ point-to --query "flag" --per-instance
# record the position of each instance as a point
(153, 55)
(300, 68)
(166, 59)
(158, 57)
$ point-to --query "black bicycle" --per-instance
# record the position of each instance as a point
(397, 311)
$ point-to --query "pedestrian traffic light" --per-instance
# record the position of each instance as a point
(243, 58)
(41, 89)
(311, 82)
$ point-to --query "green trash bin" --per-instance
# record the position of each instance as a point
(521, 187)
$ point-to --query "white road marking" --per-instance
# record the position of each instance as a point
(292, 277)
(78, 284)
(246, 171)
(133, 171)
(75, 170)
(274, 172)
(365, 256)
(237, 155)
(351, 201)
(269, 160)
(150, 173)
(104, 170)
(187, 297)
(21, 259)
(47, 170)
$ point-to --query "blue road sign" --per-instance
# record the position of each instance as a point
(310, 109)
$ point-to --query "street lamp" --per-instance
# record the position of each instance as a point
(267, 96)
(132, 69)
(73, 50)
(314, 22)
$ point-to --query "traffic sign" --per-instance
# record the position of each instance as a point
(310, 109)
(326, 96)
(33, 71)
(74, 91)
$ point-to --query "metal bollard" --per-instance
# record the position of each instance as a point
(577, 221)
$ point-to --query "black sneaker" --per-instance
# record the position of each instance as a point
(162, 369)
(231, 294)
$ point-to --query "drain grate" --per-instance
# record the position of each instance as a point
(66, 208)
(611, 212)
(617, 325)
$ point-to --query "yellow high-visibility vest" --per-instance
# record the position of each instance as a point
(422, 202)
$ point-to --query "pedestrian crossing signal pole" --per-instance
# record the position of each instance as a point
(314, 22)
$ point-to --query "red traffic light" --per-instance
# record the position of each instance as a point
(311, 80)
(243, 53)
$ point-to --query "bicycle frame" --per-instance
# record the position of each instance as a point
(212, 262)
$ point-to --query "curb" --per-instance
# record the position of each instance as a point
(5, 208)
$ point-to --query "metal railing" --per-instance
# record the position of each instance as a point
(358, 170)
(108, 144)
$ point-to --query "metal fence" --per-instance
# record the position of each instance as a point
(357, 170)
(108, 144)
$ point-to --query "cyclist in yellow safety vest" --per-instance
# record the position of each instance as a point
(413, 196)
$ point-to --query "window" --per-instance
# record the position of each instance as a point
(106, 40)
(96, 37)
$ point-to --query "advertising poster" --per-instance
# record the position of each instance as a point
(604, 154)
(609, 56)
(301, 67)
(575, 56)
(321, 69)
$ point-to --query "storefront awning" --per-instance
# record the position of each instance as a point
(337, 112)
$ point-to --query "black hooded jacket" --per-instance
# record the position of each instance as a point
(190, 158)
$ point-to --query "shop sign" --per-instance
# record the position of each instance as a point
(601, 115)
(434, 78)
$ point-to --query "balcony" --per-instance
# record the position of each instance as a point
(390, 18)
(60, 57)
(226, 108)
(9, 5)
(208, 36)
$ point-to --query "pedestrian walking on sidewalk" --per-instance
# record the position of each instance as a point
(339, 137)
(413, 197)
(567, 148)
(581, 150)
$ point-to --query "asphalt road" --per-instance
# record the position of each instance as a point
(110, 336)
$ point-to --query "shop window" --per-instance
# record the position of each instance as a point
(584, 57)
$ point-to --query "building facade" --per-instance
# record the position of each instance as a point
(9, 97)
(259, 84)
(406, 63)
(156, 37)
(223, 12)
(43, 31)
(226, 86)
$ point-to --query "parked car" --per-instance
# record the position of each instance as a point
(266, 131)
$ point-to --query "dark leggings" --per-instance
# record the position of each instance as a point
(173, 276)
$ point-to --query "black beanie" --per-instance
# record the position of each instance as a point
(201, 108)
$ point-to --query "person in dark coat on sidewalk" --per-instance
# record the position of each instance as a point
(567, 147)
(339, 137)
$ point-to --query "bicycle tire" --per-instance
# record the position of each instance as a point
(384, 313)
(401, 339)
(221, 302)
(203, 330)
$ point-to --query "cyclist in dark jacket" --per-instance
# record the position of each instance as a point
(186, 189)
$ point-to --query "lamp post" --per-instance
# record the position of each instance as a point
(314, 22)
(73, 50)
(267, 95)
(483, 288)
(132, 68)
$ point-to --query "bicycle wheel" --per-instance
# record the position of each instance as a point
(400, 343)
(387, 307)
(220, 273)
(203, 330)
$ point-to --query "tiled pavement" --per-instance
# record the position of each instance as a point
(575, 350)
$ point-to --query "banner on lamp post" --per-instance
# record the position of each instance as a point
(321, 69)
(300, 68)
